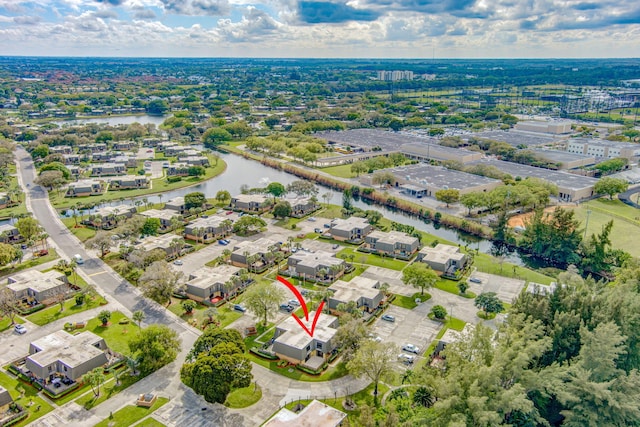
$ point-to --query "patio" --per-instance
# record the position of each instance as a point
(314, 363)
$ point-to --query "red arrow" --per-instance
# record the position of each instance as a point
(303, 304)
(298, 295)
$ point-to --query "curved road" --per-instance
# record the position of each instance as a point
(277, 389)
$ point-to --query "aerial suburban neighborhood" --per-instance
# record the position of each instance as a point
(390, 244)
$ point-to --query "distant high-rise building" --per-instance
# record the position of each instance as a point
(391, 76)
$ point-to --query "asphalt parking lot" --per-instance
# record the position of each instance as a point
(506, 288)
(410, 327)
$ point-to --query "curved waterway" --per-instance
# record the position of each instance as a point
(241, 171)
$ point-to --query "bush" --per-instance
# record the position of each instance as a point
(172, 179)
(439, 312)
(261, 353)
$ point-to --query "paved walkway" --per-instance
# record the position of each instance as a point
(277, 389)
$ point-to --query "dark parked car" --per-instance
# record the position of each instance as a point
(286, 307)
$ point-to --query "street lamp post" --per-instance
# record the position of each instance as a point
(586, 224)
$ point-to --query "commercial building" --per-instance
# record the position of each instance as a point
(443, 258)
(603, 149)
(517, 138)
(565, 159)
(363, 291)
(551, 126)
(424, 180)
(352, 230)
(66, 355)
(571, 187)
(393, 244)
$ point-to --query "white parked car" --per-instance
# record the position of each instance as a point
(411, 348)
(406, 358)
(20, 329)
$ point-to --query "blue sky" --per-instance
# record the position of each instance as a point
(322, 28)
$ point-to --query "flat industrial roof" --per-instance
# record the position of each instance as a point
(562, 156)
(562, 179)
(515, 137)
(423, 174)
(370, 138)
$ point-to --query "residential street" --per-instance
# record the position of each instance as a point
(277, 389)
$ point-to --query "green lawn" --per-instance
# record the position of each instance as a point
(53, 313)
(361, 398)
(5, 322)
(626, 222)
(32, 402)
(451, 286)
(130, 414)
(488, 264)
(371, 259)
(150, 422)
(226, 314)
(158, 185)
(33, 262)
(116, 335)
(109, 389)
(81, 232)
(243, 397)
(341, 171)
(409, 302)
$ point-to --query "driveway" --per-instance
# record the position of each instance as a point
(410, 327)
(506, 288)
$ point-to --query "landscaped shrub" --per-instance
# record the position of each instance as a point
(262, 353)
(172, 179)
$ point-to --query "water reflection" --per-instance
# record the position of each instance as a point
(143, 119)
(241, 171)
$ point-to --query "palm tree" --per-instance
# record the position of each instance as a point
(43, 241)
(146, 202)
(137, 204)
(175, 222)
(160, 197)
(138, 316)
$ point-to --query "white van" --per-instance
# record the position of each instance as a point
(78, 259)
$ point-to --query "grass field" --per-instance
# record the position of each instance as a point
(53, 313)
(130, 414)
(117, 336)
(243, 397)
(158, 185)
(33, 262)
(109, 389)
(371, 259)
(626, 222)
(226, 314)
(341, 171)
(35, 405)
